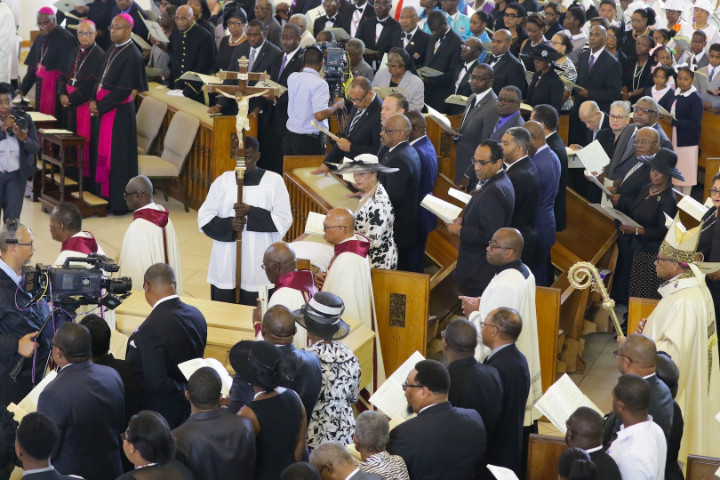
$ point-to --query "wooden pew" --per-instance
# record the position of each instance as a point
(543, 454)
(702, 468)
(210, 155)
(639, 308)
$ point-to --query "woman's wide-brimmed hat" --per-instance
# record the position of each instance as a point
(544, 53)
(664, 162)
(364, 163)
(321, 317)
(260, 363)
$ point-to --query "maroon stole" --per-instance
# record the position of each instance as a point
(156, 217)
(301, 280)
(357, 247)
(80, 244)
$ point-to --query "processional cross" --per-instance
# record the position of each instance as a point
(241, 93)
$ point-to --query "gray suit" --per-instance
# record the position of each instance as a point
(496, 135)
(714, 85)
(477, 125)
(624, 158)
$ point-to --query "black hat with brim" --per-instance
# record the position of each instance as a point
(664, 162)
(321, 317)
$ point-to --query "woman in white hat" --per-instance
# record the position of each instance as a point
(701, 13)
(375, 216)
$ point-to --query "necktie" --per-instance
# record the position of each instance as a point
(694, 61)
(467, 112)
(591, 62)
(253, 53)
(712, 73)
(357, 116)
(498, 124)
(282, 65)
(356, 16)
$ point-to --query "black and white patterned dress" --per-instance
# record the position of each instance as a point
(332, 419)
(375, 219)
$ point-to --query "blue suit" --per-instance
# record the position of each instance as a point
(548, 180)
(87, 404)
(427, 222)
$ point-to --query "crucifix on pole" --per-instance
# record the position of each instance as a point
(241, 93)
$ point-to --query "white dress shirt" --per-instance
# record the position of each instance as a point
(640, 451)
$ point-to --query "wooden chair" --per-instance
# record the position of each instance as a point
(149, 118)
(178, 142)
(543, 454)
(702, 468)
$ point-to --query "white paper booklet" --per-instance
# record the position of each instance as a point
(118, 344)
(441, 120)
(445, 211)
(428, 72)
(616, 215)
(390, 398)
(140, 41)
(692, 207)
(502, 473)
(561, 400)
(191, 366)
(41, 117)
(593, 157)
(30, 402)
(199, 77)
(456, 99)
(462, 196)
(314, 223)
(156, 31)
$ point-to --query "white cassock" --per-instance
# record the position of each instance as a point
(511, 289)
(683, 326)
(81, 245)
(144, 246)
(349, 278)
(8, 47)
(269, 194)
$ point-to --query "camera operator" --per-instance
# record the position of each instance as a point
(18, 146)
(308, 99)
(18, 323)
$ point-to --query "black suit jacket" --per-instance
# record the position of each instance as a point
(366, 33)
(603, 82)
(478, 387)
(364, 137)
(445, 59)
(556, 144)
(523, 176)
(402, 188)
(173, 333)
(87, 404)
(545, 89)
(308, 379)
(463, 88)
(606, 137)
(128, 380)
(417, 47)
(508, 71)
(607, 469)
(347, 13)
(630, 187)
(458, 433)
(265, 61)
(506, 449)
(319, 23)
(489, 209)
(49, 475)
(672, 468)
(217, 444)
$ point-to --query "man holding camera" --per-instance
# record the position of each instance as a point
(18, 146)
(20, 365)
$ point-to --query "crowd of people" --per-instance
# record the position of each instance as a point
(616, 70)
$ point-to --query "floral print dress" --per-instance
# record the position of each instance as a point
(375, 218)
(332, 419)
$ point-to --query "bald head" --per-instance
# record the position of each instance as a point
(537, 136)
(282, 253)
(399, 122)
(512, 238)
(585, 427)
(278, 325)
(640, 353)
(138, 192)
(341, 216)
(184, 10)
(339, 225)
(418, 124)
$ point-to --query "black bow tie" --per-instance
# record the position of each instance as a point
(405, 36)
(360, 9)
(330, 19)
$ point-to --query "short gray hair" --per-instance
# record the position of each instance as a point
(521, 137)
(355, 44)
(330, 453)
(624, 105)
(372, 431)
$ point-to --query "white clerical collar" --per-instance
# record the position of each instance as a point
(417, 140)
(648, 376)
(393, 148)
(169, 297)
(593, 450)
(151, 205)
(124, 43)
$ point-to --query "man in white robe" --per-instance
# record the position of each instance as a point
(683, 326)
(150, 238)
(293, 287)
(263, 217)
(8, 47)
(512, 287)
(349, 278)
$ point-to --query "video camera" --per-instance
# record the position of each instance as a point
(336, 65)
(72, 286)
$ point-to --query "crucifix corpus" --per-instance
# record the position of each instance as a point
(241, 93)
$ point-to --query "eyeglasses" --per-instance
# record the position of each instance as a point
(88, 34)
(480, 77)
(130, 194)
(387, 130)
(23, 244)
(406, 385)
(358, 100)
(124, 436)
(510, 15)
(484, 324)
(644, 110)
(42, 24)
(265, 267)
(234, 24)
(714, 191)
(394, 65)
(507, 100)
(644, 142)
(493, 246)
(328, 227)
(617, 354)
(618, 117)
(482, 163)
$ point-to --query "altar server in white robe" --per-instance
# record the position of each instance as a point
(293, 287)
(348, 277)
(8, 47)
(264, 216)
(683, 326)
(150, 238)
(512, 287)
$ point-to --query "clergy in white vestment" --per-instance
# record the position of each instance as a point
(150, 238)
(293, 287)
(66, 228)
(264, 216)
(8, 47)
(348, 277)
(512, 287)
(683, 326)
